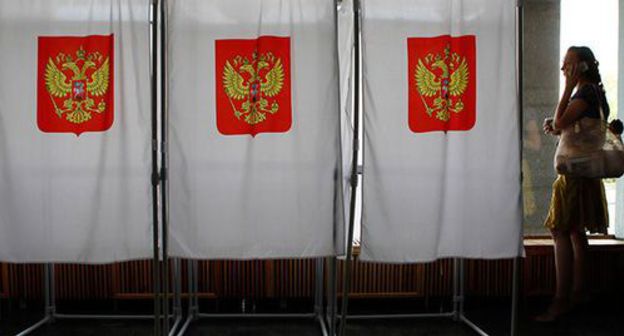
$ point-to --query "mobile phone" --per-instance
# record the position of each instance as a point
(582, 67)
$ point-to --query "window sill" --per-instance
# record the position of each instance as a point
(544, 245)
(537, 245)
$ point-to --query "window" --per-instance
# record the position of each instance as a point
(550, 28)
(596, 26)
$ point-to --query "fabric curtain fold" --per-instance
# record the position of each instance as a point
(254, 127)
(441, 137)
(75, 131)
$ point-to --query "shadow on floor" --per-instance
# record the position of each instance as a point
(602, 317)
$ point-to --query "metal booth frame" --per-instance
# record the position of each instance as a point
(325, 302)
(159, 263)
(457, 313)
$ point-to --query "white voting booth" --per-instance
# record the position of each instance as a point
(194, 130)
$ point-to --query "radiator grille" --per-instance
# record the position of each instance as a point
(4, 280)
(295, 278)
(81, 282)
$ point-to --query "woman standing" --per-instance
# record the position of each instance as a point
(578, 204)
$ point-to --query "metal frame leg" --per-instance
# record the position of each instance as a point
(164, 184)
(177, 297)
(346, 276)
(51, 313)
(49, 308)
(456, 299)
(460, 275)
(318, 287)
(461, 296)
(192, 296)
(458, 311)
(319, 296)
(195, 289)
(155, 178)
(317, 314)
(49, 297)
(332, 295)
(514, 297)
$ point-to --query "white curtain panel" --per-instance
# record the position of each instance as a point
(428, 193)
(255, 144)
(74, 131)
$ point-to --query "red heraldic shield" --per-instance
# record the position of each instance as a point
(253, 85)
(442, 83)
(75, 84)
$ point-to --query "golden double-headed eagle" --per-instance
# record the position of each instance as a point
(80, 90)
(242, 82)
(444, 77)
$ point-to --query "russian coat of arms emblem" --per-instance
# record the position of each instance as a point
(75, 84)
(253, 85)
(442, 83)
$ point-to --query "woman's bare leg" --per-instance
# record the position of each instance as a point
(580, 247)
(563, 264)
(563, 267)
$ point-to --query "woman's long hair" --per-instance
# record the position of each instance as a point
(584, 54)
(592, 74)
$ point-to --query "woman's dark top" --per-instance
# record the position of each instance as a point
(593, 95)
